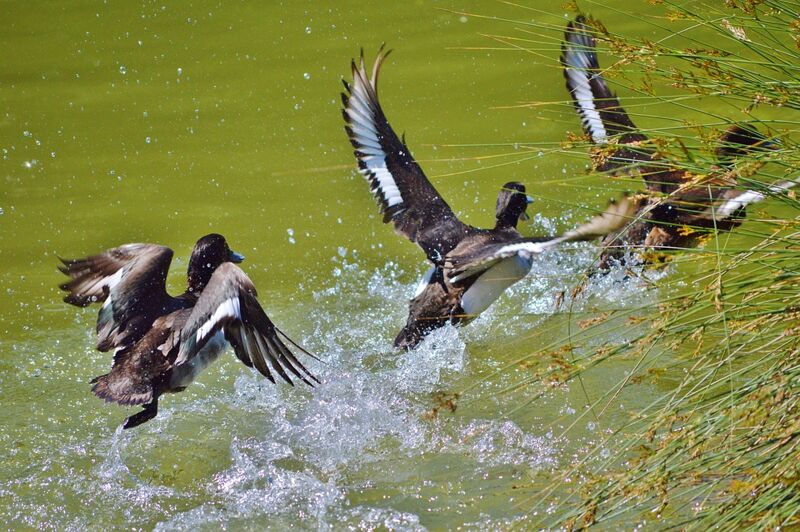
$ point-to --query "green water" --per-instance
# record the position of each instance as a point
(164, 122)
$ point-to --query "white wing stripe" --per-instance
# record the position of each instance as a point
(425, 281)
(524, 248)
(386, 185)
(227, 309)
(732, 205)
(751, 196)
(582, 92)
(578, 64)
(357, 117)
(359, 112)
(361, 107)
(371, 153)
(111, 281)
(366, 137)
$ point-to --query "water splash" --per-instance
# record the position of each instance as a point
(360, 450)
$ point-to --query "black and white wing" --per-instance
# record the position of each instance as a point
(129, 280)
(601, 115)
(405, 195)
(603, 118)
(228, 303)
(466, 265)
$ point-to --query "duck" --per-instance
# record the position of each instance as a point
(683, 209)
(470, 267)
(162, 343)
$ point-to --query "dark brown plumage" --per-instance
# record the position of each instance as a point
(483, 265)
(405, 195)
(145, 267)
(438, 301)
(161, 342)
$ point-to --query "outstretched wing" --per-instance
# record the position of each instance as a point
(602, 117)
(130, 280)
(467, 265)
(229, 303)
(405, 195)
(599, 109)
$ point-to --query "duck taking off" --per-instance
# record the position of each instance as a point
(162, 343)
(682, 208)
(471, 267)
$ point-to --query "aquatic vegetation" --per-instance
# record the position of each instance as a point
(718, 351)
(667, 388)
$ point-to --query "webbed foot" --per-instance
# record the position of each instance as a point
(149, 412)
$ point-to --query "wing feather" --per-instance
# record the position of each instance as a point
(616, 216)
(406, 196)
(130, 280)
(736, 200)
(229, 303)
(603, 118)
(601, 114)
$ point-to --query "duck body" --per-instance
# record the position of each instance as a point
(145, 371)
(438, 301)
(411, 203)
(161, 343)
(681, 221)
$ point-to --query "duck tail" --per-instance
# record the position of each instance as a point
(122, 390)
(101, 388)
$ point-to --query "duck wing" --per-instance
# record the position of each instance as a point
(603, 118)
(601, 114)
(130, 281)
(406, 197)
(229, 303)
(461, 267)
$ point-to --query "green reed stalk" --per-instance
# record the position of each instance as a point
(722, 446)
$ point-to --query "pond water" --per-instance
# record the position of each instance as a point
(163, 122)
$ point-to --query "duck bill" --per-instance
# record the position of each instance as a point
(235, 257)
(770, 144)
(524, 216)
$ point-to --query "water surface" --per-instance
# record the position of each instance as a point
(163, 122)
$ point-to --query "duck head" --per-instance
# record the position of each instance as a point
(512, 202)
(208, 254)
(740, 140)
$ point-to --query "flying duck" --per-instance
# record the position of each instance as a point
(162, 343)
(471, 267)
(682, 208)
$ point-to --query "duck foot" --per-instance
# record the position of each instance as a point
(149, 412)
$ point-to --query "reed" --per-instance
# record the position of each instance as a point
(720, 443)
